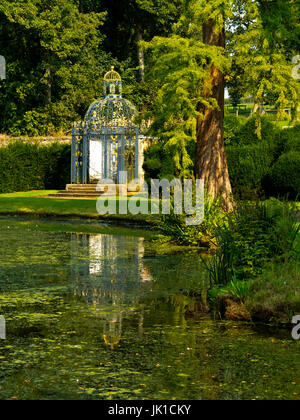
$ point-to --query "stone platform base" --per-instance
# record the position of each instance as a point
(93, 191)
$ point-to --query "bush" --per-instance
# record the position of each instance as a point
(175, 227)
(264, 167)
(248, 165)
(158, 164)
(247, 134)
(25, 166)
(232, 125)
(284, 177)
(252, 235)
(290, 139)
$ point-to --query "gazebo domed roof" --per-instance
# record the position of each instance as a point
(112, 110)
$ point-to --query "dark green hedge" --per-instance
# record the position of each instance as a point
(232, 126)
(239, 131)
(284, 176)
(247, 134)
(290, 139)
(248, 165)
(25, 166)
(158, 163)
(269, 166)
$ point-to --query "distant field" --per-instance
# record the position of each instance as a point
(246, 109)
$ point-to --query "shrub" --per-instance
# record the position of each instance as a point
(232, 125)
(158, 163)
(290, 139)
(25, 166)
(247, 134)
(252, 235)
(175, 227)
(248, 165)
(284, 177)
(236, 289)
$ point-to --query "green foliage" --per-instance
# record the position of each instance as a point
(54, 66)
(254, 167)
(276, 293)
(265, 68)
(290, 139)
(237, 289)
(247, 134)
(180, 64)
(252, 235)
(248, 165)
(284, 176)
(158, 163)
(25, 166)
(259, 166)
(232, 126)
(175, 226)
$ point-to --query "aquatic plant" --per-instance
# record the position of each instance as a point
(251, 236)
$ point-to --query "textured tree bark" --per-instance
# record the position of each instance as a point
(140, 52)
(211, 162)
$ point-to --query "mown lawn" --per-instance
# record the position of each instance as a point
(37, 203)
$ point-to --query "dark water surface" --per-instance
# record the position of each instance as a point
(110, 317)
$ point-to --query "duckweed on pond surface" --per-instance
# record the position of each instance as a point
(96, 316)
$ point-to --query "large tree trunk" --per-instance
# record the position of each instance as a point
(140, 52)
(211, 162)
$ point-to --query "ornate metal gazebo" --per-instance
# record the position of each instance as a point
(107, 141)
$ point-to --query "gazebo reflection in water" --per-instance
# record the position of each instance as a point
(110, 275)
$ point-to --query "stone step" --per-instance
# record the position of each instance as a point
(92, 186)
(81, 190)
(70, 195)
(91, 193)
(81, 185)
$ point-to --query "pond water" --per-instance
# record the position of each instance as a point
(98, 316)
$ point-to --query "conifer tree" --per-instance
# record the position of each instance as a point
(211, 39)
(190, 64)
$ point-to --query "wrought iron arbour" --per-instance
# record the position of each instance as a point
(109, 122)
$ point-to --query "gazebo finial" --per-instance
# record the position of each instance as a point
(112, 84)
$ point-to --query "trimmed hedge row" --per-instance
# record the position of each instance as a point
(283, 178)
(269, 166)
(26, 166)
(248, 165)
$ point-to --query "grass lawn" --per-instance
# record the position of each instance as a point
(247, 113)
(37, 203)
